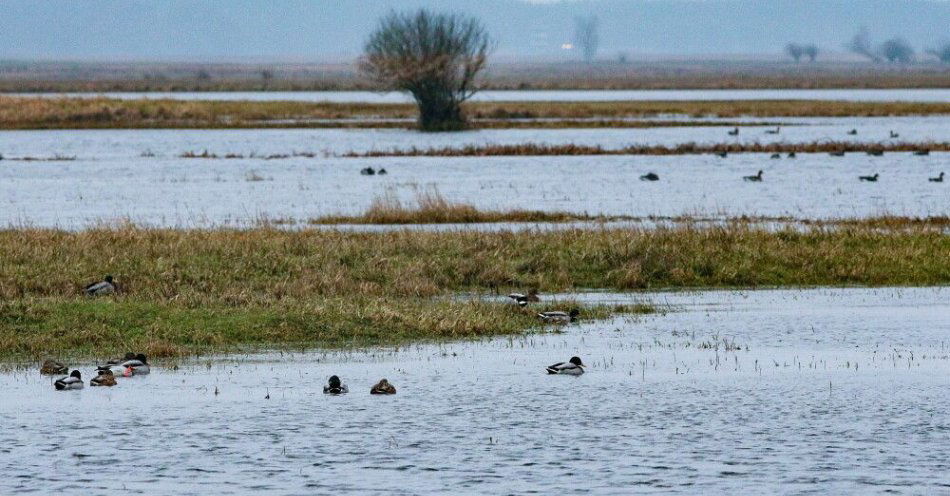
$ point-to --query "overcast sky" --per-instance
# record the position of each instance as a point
(319, 30)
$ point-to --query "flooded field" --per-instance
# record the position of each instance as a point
(865, 95)
(785, 391)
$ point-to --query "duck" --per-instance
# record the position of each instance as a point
(368, 171)
(52, 367)
(524, 299)
(574, 366)
(734, 132)
(334, 386)
(836, 154)
(791, 154)
(101, 288)
(381, 172)
(72, 381)
(135, 366)
(650, 176)
(938, 179)
(756, 178)
(895, 135)
(118, 361)
(853, 132)
(382, 387)
(876, 153)
(776, 155)
(721, 154)
(922, 153)
(872, 179)
(773, 131)
(559, 317)
(105, 378)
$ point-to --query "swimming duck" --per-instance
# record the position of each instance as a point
(129, 368)
(382, 387)
(791, 154)
(73, 381)
(105, 378)
(853, 132)
(559, 317)
(368, 171)
(773, 131)
(776, 155)
(876, 153)
(922, 153)
(52, 367)
(895, 135)
(734, 132)
(650, 176)
(382, 172)
(101, 288)
(334, 386)
(938, 179)
(118, 361)
(871, 179)
(721, 154)
(836, 154)
(524, 299)
(574, 366)
(755, 178)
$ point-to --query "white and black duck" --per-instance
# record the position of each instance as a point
(72, 381)
(558, 317)
(523, 299)
(334, 386)
(574, 366)
(101, 288)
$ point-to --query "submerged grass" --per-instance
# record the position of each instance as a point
(543, 149)
(190, 291)
(107, 113)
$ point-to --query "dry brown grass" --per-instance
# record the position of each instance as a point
(104, 113)
(536, 149)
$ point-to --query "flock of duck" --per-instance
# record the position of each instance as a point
(136, 364)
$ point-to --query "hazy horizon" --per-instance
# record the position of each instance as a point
(315, 31)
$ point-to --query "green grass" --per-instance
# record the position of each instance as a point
(209, 291)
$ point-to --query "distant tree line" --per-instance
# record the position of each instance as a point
(797, 51)
(896, 49)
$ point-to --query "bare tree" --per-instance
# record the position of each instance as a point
(795, 51)
(897, 50)
(811, 51)
(433, 57)
(942, 52)
(861, 44)
(586, 36)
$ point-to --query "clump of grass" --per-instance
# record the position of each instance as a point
(543, 149)
(430, 207)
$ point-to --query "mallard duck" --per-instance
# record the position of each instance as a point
(871, 179)
(382, 387)
(105, 378)
(938, 179)
(853, 132)
(776, 155)
(574, 366)
(756, 178)
(382, 171)
(650, 176)
(101, 288)
(334, 386)
(734, 132)
(368, 171)
(52, 367)
(136, 366)
(524, 299)
(119, 361)
(895, 135)
(922, 153)
(791, 154)
(73, 381)
(773, 131)
(559, 317)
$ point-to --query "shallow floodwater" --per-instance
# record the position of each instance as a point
(839, 391)
(904, 95)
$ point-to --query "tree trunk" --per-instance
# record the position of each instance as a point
(439, 113)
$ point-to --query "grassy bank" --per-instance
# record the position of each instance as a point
(104, 113)
(189, 291)
(540, 149)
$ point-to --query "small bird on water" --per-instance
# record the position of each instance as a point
(105, 378)
(73, 381)
(382, 387)
(756, 178)
(334, 386)
(52, 367)
(650, 176)
(524, 299)
(559, 317)
(574, 366)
